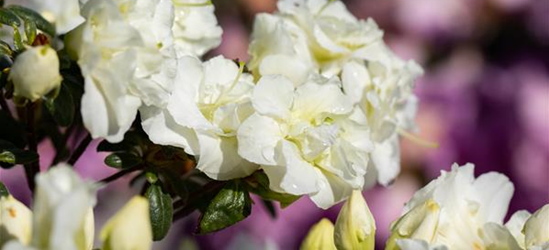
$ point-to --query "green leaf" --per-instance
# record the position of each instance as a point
(231, 205)
(17, 40)
(61, 107)
(8, 17)
(5, 49)
(161, 211)
(10, 154)
(30, 31)
(260, 186)
(3, 190)
(30, 15)
(122, 160)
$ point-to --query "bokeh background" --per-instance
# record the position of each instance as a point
(484, 99)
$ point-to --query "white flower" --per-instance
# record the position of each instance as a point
(536, 229)
(209, 102)
(130, 228)
(320, 237)
(355, 225)
(304, 140)
(470, 216)
(62, 215)
(35, 73)
(195, 28)
(516, 224)
(321, 34)
(15, 221)
(127, 59)
(65, 14)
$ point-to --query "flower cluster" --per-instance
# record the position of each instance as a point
(455, 211)
(324, 97)
(323, 102)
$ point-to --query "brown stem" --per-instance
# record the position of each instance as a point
(120, 174)
(33, 168)
(80, 150)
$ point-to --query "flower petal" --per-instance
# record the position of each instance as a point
(273, 96)
(258, 137)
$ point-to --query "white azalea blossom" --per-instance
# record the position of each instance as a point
(62, 216)
(127, 59)
(195, 28)
(206, 108)
(464, 213)
(304, 139)
(536, 229)
(15, 221)
(322, 36)
(65, 14)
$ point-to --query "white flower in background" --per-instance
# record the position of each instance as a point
(516, 224)
(65, 14)
(130, 228)
(383, 90)
(195, 28)
(127, 59)
(323, 36)
(304, 139)
(15, 221)
(536, 230)
(320, 237)
(35, 73)
(62, 212)
(355, 225)
(457, 211)
(209, 102)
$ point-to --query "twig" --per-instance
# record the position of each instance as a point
(33, 168)
(120, 174)
(80, 150)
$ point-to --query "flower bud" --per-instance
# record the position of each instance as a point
(130, 228)
(321, 237)
(15, 221)
(35, 73)
(355, 226)
(419, 223)
(536, 228)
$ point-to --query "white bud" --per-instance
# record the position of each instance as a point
(355, 226)
(15, 221)
(320, 237)
(130, 228)
(35, 73)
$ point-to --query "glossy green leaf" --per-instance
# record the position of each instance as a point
(17, 40)
(231, 205)
(9, 18)
(10, 154)
(3, 190)
(61, 107)
(161, 211)
(5, 49)
(30, 31)
(30, 15)
(11, 130)
(122, 160)
(260, 186)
